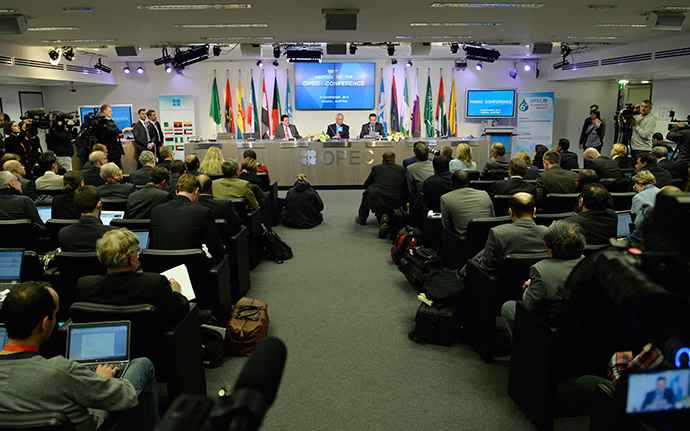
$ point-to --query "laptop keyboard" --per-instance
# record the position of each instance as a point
(118, 373)
(10, 286)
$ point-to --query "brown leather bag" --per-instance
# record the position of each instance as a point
(247, 326)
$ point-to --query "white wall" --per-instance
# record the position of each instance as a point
(674, 94)
(10, 98)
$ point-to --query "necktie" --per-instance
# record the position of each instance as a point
(287, 132)
(146, 127)
(158, 133)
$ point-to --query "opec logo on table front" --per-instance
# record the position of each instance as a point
(536, 104)
(308, 157)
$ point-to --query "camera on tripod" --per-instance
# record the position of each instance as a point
(39, 117)
(63, 119)
(628, 112)
(673, 119)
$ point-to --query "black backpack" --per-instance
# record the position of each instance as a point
(275, 247)
(407, 237)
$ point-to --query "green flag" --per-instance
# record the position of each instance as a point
(429, 109)
(215, 103)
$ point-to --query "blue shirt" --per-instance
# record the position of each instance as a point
(643, 200)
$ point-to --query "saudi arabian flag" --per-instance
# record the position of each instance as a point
(215, 103)
(429, 109)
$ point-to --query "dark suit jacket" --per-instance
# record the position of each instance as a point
(82, 236)
(181, 224)
(130, 288)
(674, 168)
(433, 188)
(604, 167)
(408, 161)
(28, 188)
(569, 160)
(668, 396)
(156, 134)
(15, 206)
(141, 139)
(222, 209)
(663, 177)
(116, 190)
(512, 186)
(497, 166)
(173, 184)
(165, 163)
(378, 127)
(92, 176)
(141, 176)
(141, 203)
(279, 131)
(331, 131)
(384, 186)
(599, 226)
(532, 172)
(64, 208)
(555, 180)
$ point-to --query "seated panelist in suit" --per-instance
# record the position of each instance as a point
(141, 203)
(114, 188)
(338, 130)
(182, 223)
(372, 128)
(118, 251)
(285, 130)
(517, 168)
(82, 236)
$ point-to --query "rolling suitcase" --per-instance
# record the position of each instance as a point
(417, 261)
(435, 325)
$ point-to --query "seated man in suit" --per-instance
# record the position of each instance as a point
(372, 128)
(15, 206)
(220, 208)
(598, 221)
(32, 383)
(497, 167)
(232, 187)
(419, 171)
(285, 130)
(677, 171)
(410, 160)
(338, 130)
(661, 398)
(28, 186)
(647, 162)
(603, 166)
(92, 172)
(147, 160)
(177, 169)
(82, 236)
(554, 179)
(383, 189)
(565, 242)
(464, 203)
(141, 203)
(568, 158)
(523, 235)
(166, 155)
(113, 187)
(438, 184)
(517, 168)
(193, 163)
(48, 162)
(118, 251)
(181, 223)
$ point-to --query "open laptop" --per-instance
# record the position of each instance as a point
(11, 263)
(108, 216)
(45, 213)
(624, 222)
(93, 344)
(143, 236)
(3, 336)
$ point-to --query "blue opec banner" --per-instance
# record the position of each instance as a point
(535, 121)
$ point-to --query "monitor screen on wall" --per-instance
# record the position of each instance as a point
(122, 114)
(490, 103)
(338, 86)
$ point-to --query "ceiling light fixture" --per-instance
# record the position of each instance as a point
(408, 64)
(191, 56)
(51, 28)
(276, 50)
(216, 50)
(194, 6)
(238, 38)
(490, 5)
(126, 69)
(275, 63)
(168, 69)
(55, 54)
(260, 63)
(460, 64)
(140, 69)
(220, 25)
(75, 41)
(536, 69)
(164, 59)
(394, 62)
(479, 66)
(480, 52)
(433, 37)
(102, 67)
(527, 67)
(68, 53)
(391, 50)
(454, 48)
(353, 49)
(453, 24)
(513, 72)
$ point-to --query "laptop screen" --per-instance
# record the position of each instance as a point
(657, 391)
(108, 216)
(95, 342)
(624, 220)
(143, 236)
(3, 336)
(11, 265)
(45, 213)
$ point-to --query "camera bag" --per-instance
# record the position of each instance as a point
(247, 326)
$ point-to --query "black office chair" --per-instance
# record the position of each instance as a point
(432, 230)
(69, 268)
(555, 203)
(22, 234)
(110, 204)
(473, 175)
(210, 280)
(53, 191)
(33, 268)
(452, 248)
(131, 224)
(622, 201)
(251, 219)
(238, 257)
(501, 204)
(176, 354)
(547, 219)
(615, 185)
(478, 231)
(54, 226)
(482, 185)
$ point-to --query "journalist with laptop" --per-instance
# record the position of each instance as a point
(32, 383)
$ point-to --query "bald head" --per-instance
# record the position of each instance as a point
(590, 154)
(192, 162)
(96, 158)
(206, 184)
(521, 205)
(12, 166)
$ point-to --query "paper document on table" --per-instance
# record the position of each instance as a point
(181, 275)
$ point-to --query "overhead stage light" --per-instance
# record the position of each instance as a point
(481, 53)
(168, 69)
(408, 64)
(454, 48)
(561, 64)
(460, 64)
(126, 69)
(68, 53)
(102, 67)
(394, 62)
(165, 58)
(479, 66)
(527, 67)
(55, 55)
(216, 50)
(391, 50)
(276, 51)
(513, 73)
(353, 48)
(310, 55)
(275, 63)
(191, 56)
(140, 69)
(260, 63)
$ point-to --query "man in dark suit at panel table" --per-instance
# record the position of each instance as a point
(603, 166)
(338, 130)
(142, 140)
(372, 128)
(285, 130)
(568, 158)
(141, 203)
(517, 168)
(140, 177)
(82, 236)
(220, 208)
(181, 223)
(554, 179)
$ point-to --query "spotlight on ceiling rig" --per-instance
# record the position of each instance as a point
(140, 69)
(68, 53)
(276, 51)
(260, 63)
(216, 50)
(55, 54)
(391, 49)
(126, 69)
(394, 62)
(527, 67)
(454, 48)
(479, 66)
(102, 67)
(165, 58)
(460, 64)
(275, 63)
(408, 64)
(513, 73)
(481, 53)
(191, 56)
(353, 48)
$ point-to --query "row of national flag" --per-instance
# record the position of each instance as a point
(252, 118)
(403, 117)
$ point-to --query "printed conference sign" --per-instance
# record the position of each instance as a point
(535, 121)
(176, 115)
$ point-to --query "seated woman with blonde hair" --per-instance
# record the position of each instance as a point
(213, 160)
(303, 205)
(463, 160)
(619, 153)
(532, 171)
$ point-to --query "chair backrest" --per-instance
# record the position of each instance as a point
(615, 184)
(547, 219)
(240, 209)
(52, 191)
(622, 201)
(560, 202)
(130, 224)
(265, 184)
(453, 248)
(478, 231)
(72, 266)
(35, 421)
(125, 178)
(215, 176)
(474, 175)
(482, 185)
(223, 232)
(110, 204)
(33, 268)
(18, 234)
(512, 271)
(501, 204)
(55, 224)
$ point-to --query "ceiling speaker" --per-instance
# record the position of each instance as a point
(340, 19)
(420, 48)
(250, 49)
(542, 48)
(336, 49)
(13, 24)
(127, 51)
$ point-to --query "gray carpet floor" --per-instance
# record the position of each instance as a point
(344, 312)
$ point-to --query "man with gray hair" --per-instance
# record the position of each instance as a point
(15, 206)
(674, 168)
(113, 187)
(603, 166)
(28, 186)
(338, 130)
(565, 242)
(232, 187)
(92, 172)
(497, 167)
(140, 177)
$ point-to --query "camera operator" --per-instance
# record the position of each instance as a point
(61, 142)
(18, 140)
(680, 134)
(643, 126)
(109, 134)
